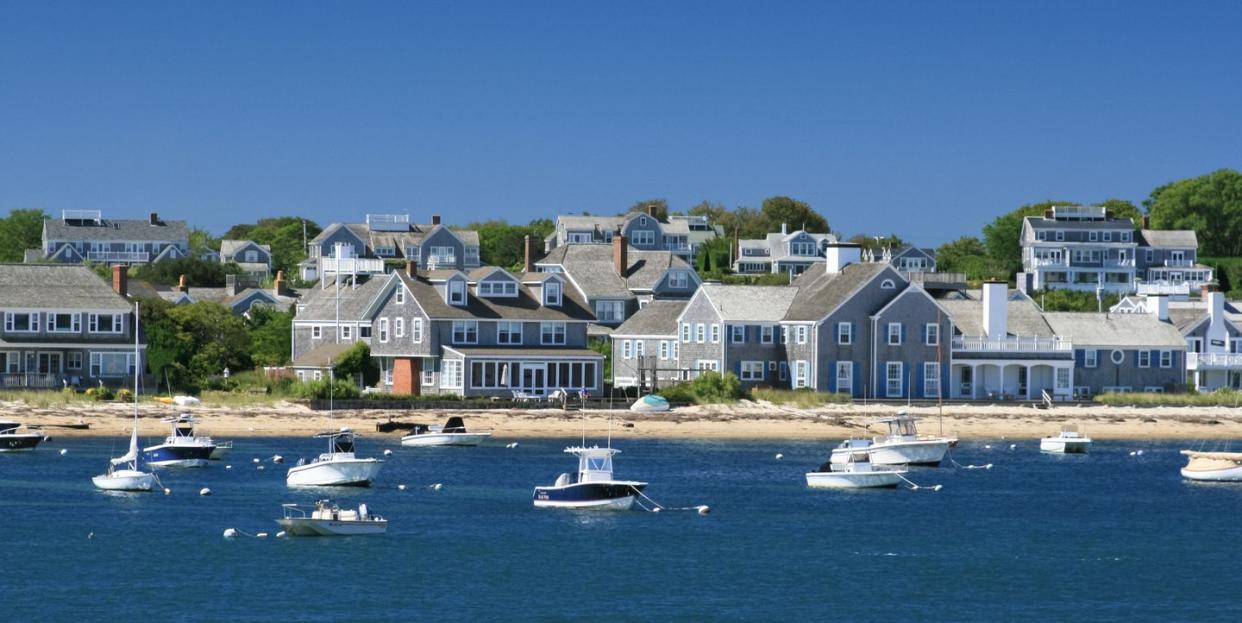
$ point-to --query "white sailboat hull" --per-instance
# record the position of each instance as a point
(337, 473)
(443, 439)
(1055, 445)
(853, 480)
(921, 452)
(125, 480)
(1232, 474)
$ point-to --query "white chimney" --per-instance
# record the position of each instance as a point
(784, 229)
(1216, 333)
(841, 254)
(996, 309)
(1158, 306)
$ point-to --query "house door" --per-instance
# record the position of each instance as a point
(49, 363)
(30, 362)
(967, 387)
(533, 379)
(1022, 382)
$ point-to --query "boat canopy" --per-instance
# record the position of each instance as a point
(7, 426)
(340, 440)
(454, 425)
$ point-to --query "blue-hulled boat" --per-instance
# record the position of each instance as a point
(592, 487)
(182, 448)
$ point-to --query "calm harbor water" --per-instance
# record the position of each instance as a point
(1103, 537)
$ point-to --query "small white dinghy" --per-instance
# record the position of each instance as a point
(452, 433)
(856, 473)
(1069, 441)
(650, 403)
(328, 519)
(1213, 466)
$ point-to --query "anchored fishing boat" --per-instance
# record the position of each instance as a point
(183, 447)
(1069, 441)
(452, 433)
(338, 467)
(13, 441)
(1213, 466)
(328, 519)
(903, 445)
(593, 487)
(856, 473)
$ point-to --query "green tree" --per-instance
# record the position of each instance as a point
(270, 332)
(712, 260)
(603, 347)
(877, 244)
(20, 230)
(796, 214)
(283, 234)
(198, 273)
(216, 340)
(355, 362)
(167, 352)
(1210, 204)
(967, 255)
(202, 240)
(1003, 236)
(1074, 301)
(661, 208)
(502, 244)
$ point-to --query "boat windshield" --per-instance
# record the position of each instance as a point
(902, 427)
(343, 443)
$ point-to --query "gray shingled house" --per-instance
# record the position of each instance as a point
(645, 347)
(84, 235)
(681, 235)
(363, 247)
(784, 252)
(64, 326)
(735, 328)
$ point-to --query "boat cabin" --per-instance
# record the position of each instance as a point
(594, 464)
(339, 442)
(900, 426)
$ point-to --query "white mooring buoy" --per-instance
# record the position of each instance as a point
(401, 487)
(779, 456)
(387, 452)
(167, 491)
(204, 491)
(64, 451)
(278, 459)
(230, 533)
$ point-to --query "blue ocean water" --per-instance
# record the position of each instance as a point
(1106, 536)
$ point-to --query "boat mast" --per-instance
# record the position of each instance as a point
(940, 372)
(137, 319)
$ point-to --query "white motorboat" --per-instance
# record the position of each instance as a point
(183, 447)
(452, 433)
(13, 441)
(903, 445)
(856, 473)
(593, 487)
(1068, 441)
(123, 472)
(1213, 466)
(338, 467)
(328, 519)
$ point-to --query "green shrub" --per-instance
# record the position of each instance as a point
(125, 395)
(712, 387)
(323, 389)
(680, 392)
(1218, 398)
(804, 398)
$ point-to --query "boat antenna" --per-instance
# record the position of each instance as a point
(940, 372)
(137, 319)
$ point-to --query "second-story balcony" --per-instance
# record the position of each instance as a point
(441, 261)
(351, 266)
(1214, 361)
(1163, 288)
(1012, 344)
(118, 256)
(1179, 263)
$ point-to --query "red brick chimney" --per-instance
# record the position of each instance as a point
(411, 268)
(279, 284)
(435, 220)
(528, 263)
(181, 285)
(620, 253)
(120, 280)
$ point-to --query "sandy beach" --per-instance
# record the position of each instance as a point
(746, 420)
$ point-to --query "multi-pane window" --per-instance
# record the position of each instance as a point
(398, 327)
(893, 378)
(347, 333)
(508, 333)
(1144, 359)
(801, 374)
(399, 295)
(551, 293)
(111, 364)
(383, 331)
(715, 334)
(610, 311)
(894, 334)
(1090, 358)
(801, 334)
(765, 334)
(700, 333)
(457, 292)
(64, 323)
(316, 331)
(552, 333)
(21, 322)
(498, 289)
(845, 333)
(685, 332)
(737, 333)
(465, 332)
(931, 334)
(678, 279)
(845, 377)
(450, 376)
(416, 330)
(751, 371)
(931, 379)
(627, 349)
(1166, 359)
(642, 238)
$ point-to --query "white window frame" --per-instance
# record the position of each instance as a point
(416, 330)
(462, 331)
(751, 371)
(506, 329)
(1166, 359)
(767, 334)
(1093, 236)
(931, 370)
(32, 322)
(451, 373)
(552, 293)
(456, 294)
(316, 332)
(685, 332)
(678, 279)
(715, 333)
(347, 333)
(664, 350)
(627, 349)
(802, 334)
(75, 323)
(399, 296)
(383, 331)
(642, 237)
(1144, 358)
(889, 379)
(802, 376)
(894, 334)
(737, 334)
(845, 333)
(700, 333)
(931, 334)
(552, 333)
(784, 371)
(845, 377)
(1091, 358)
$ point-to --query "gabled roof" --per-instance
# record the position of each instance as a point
(912, 251)
(1024, 317)
(398, 240)
(591, 268)
(231, 247)
(820, 292)
(319, 304)
(743, 303)
(1114, 330)
(321, 356)
(655, 318)
(1171, 238)
(57, 286)
(117, 229)
(525, 306)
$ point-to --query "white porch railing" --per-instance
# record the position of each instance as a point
(118, 256)
(441, 261)
(30, 380)
(1179, 263)
(1032, 344)
(1195, 361)
(350, 265)
(1164, 288)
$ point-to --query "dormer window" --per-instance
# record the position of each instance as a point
(399, 296)
(456, 292)
(552, 293)
(678, 279)
(497, 288)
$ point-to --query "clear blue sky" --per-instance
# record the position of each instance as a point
(921, 118)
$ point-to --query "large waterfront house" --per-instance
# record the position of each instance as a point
(329, 320)
(360, 249)
(784, 252)
(1087, 248)
(65, 327)
(680, 235)
(254, 259)
(487, 332)
(615, 279)
(1211, 328)
(86, 236)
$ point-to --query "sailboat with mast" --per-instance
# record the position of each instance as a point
(124, 473)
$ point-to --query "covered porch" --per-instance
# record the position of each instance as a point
(1012, 379)
(521, 372)
(1213, 371)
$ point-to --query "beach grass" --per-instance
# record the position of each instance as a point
(1219, 398)
(802, 398)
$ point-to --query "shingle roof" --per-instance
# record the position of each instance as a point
(524, 307)
(322, 355)
(740, 303)
(1114, 330)
(1024, 317)
(524, 352)
(820, 292)
(591, 268)
(1174, 238)
(57, 286)
(1039, 222)
(230, 247)
(320, 304)
(396, 239)
(117, 229)
(656, 318)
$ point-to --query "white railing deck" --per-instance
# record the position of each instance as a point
(351, 265)
(118, 256)
(1018, 344)
(1213, 360)
(81, 215)
(1179, 263)
(1167, 288)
